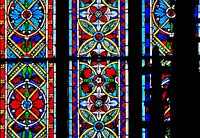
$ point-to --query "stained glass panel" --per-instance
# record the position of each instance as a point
(157, 31)
(27, 99)
(98, 98)
(27, 86)
(98, 81)
(96, 26)
(27, 29)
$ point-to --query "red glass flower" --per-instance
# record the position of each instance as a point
(98, 103)
(98, 14)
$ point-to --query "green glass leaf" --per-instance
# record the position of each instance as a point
(87, 80)
(86, 26)
(26, 24)
(30, 70)
(26, 4)
(172, 27)
(169, 133)
(30, 134)
(87, 46)
(24, 72)
(109, 133)
(89, 133)
(109, 116)
(24, 46)
(110, 46)
(110, 26)
(26, 94)
(169, 45)
(29, 46)
(87, 116)
(23, 134)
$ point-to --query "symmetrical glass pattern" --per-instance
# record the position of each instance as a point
(98, 90)
(157, 31)
(27, 86)
(98, 78)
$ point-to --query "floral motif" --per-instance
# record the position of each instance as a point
(163, 12)
(85, 80)
(98, 103)
(26, 16)
(112, 80)
(104, 36)
(99, 127)
(90, 80)
(98, 14)
(26, 102)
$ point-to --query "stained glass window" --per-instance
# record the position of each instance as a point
(157, 32)
(113, 85)
(98, 77)
(27, 80)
